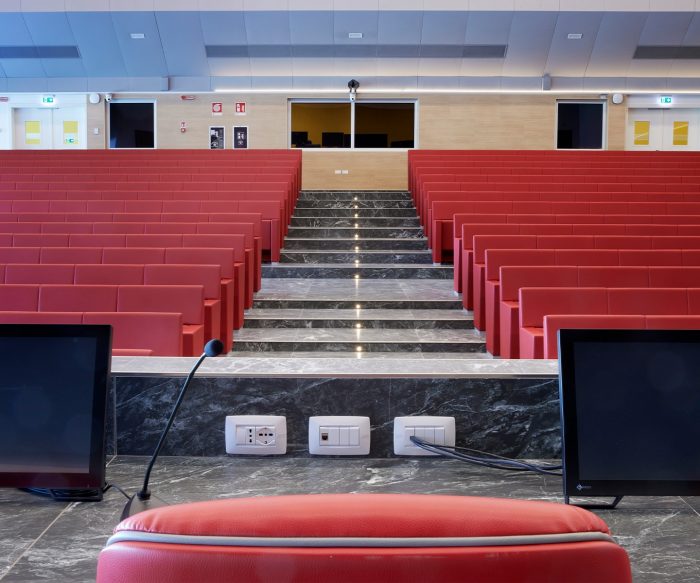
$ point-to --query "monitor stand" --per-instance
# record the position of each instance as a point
(68, 494)
(595, 506)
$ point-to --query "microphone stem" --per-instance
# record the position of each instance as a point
(144, 493)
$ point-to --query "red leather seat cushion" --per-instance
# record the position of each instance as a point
(361, 537)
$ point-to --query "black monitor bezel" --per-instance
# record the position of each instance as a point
(94, 478)
(567, 340)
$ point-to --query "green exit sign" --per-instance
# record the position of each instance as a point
(666, 100)
(48, 100)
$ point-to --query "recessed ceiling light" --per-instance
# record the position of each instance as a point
(574, 36)
(137, 35)
(355, 35)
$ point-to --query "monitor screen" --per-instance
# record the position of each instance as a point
(53, 386)
(630, 404)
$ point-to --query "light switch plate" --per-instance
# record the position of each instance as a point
(339, 435)
(435, 430)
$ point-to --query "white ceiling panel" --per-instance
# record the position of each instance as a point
(271, 67)
(267, 28)
(528, 46)
(439, 67)
(481, 67)
(484, 28)
(569, 57)
(399, 28)
(311, 28)
(444, 28)
(667, 28)
(617, 38)
(142, 57)
(230, 67)
(397, 67)
(97, 43)
(223, 28)
(183, 43)
(366, 22)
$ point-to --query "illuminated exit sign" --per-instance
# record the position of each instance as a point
(48, 100)
(666, 100)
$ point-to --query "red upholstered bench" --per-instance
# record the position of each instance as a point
(364, 537)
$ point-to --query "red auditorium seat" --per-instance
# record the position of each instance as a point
(343, 538)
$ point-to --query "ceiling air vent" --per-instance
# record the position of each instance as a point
(484, 51)
(667, 52)
(40, 52)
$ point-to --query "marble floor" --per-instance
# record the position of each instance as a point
(41, 540)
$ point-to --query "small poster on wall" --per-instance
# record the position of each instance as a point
(217, 108)
(217, 138)
(240, 137)
(70, 133)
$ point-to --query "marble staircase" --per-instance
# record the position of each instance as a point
(356, 279)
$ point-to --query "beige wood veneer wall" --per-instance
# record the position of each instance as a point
(446, 121)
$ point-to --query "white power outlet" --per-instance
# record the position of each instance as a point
(341, 435)
(435, 430)
(256, 434)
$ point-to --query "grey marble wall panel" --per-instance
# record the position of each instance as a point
(360, 204)
(418, 243)
(513, 417)
(310, 271)
(416, 257)
(349, 233)
(351, 212)
(351, 222)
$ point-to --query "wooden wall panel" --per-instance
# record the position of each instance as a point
(375, 170)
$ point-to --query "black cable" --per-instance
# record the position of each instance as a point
(110, 486)
(492, 461)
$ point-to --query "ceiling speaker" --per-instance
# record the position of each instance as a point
(546, 82)
(618, 98)
(94, 98)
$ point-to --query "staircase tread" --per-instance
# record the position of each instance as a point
(367, 314)
(363, 335)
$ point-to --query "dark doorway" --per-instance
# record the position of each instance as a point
(580, 126)
(131, 125)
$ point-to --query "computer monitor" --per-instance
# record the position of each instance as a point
(53, 387)
(630, 412)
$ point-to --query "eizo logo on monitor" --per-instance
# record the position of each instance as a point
(581, 487)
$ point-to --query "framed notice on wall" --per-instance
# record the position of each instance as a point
(240, 137)
(217, 138)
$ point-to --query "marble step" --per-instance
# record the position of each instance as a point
(349, 222)
(361, 213)
(354, 340)
(308, 195)
(359, 233)
(294, 303)
(361, 257)
(351, 244)
(359, 319)
(350, 271)
(354, 204)
(310, 359)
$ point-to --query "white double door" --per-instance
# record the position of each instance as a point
(663, 129)
(49, 128)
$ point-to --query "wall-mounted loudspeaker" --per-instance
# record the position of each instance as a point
(546, 82)
(94, 98)
(618, 98)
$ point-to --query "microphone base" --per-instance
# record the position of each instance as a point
(136, 505)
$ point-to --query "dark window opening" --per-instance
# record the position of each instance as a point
(580, 126)
(131, 125)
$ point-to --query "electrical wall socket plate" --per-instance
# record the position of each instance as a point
(256, 434)
(339, 435)
(436, 430)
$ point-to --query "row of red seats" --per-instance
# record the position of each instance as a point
(442, 225)
(536, 304)
(187, 301)
(501, 224)
(213, 268)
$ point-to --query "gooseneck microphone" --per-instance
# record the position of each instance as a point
(142, 499)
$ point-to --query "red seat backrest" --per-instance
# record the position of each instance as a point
(651, 257)
(160, 332)
(97, 240)
(154, 240)
(41, 317)
(171, 228)
(208, 276)
(647, 301)
(40, 240)
(513, 277)
(138, 255)
(77, 298)
(40, 273)
(538, 302)
(613, 276)
(674, 276)
(109, 274)
(119, 228)
(16, 297)
(202, 256)
(71, 255)
(20, 254)
(235, 242)
(187, 300)
(495, 258)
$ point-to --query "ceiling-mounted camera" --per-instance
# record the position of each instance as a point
(353, 86)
